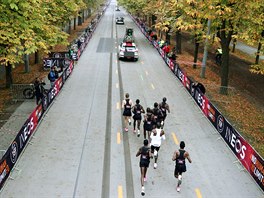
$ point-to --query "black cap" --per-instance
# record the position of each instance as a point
(145, 142)
(164, 99)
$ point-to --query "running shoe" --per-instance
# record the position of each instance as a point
(143, 191)
(145, 179)
(155, 165)
(129, 121)
(126, 129)
(178, 188)
(135, 131)
(138, 134)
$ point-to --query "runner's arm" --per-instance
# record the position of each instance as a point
(188, 157)
(138, 153)
(150, 154)
(142, 109)
(168, 108)
(174, 156)
(123, 104)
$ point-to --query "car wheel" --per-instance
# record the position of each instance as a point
(135, 59)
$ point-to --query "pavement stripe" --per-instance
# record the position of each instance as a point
(152, 86)
(198, 193)
(146, 73)
(118, 138)
(120, 191)
(116, 71)
(175, 138)
(141, 77)
(117, 105)
(117, 86)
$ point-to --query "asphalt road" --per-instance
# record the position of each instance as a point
(80, 149)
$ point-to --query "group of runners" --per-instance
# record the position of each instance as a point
(153, 124)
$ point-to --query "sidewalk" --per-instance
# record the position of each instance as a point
(11, 128)
(247, 49)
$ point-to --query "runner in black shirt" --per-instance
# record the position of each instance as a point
(158, 116)
(180, 166)
(137, 110)
(145, 155)
(148, 122)
(164, 107)
(127, 106)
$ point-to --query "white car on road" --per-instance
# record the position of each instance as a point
(128, 50)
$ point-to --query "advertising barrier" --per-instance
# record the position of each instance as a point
(245, 153)
(13, 152)
(15, 149)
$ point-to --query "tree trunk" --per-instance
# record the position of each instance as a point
(178, 42)
(149, 22)
(234, 45)
(196, 50)
(36, 57)
(257, 57)
(69, 26)
(153, 18)
(167, 37)
(224, 67)
(9, 78)
(26, 62)
(74, 23)
(83, 17)
(79, 19)
(89, 12)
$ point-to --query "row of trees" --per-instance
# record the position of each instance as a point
(225, 20)
(30, 26)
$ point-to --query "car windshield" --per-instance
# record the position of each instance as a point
(130, 48)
